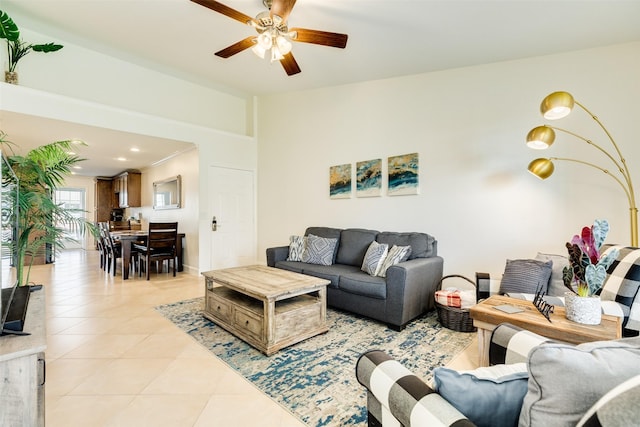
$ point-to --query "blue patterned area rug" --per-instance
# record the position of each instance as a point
(315, 379)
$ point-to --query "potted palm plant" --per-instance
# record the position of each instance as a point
(17, 48)
(40, 220)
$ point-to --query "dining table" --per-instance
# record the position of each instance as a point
(128, 237)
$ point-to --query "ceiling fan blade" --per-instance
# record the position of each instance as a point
(237, 47)
(325, 38)
(290, 65)
(282, 8)
(225, 10)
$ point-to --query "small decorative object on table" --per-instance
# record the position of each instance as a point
(586, 272)
(543, 307)
(450, 316)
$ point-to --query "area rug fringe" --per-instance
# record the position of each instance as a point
(315, 379)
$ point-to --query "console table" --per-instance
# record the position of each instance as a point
(22, 369)
(486, 317)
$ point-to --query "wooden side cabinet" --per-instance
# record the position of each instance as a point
(22, 370)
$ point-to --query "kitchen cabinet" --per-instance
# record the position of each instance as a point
(127, 189)
(104, 195)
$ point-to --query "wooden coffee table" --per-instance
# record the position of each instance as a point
(486, 317)
(267, 307)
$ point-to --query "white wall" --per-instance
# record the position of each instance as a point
(469, 127)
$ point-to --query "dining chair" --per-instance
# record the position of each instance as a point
(102, 250)
(112, 251)
(160, 246)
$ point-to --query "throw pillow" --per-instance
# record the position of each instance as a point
(395, 255)
(490, 397)
(374, 257)
(556, 284)
(617, 408)
(296, 248)
(319, 250)
(565, 380)
(525, 276)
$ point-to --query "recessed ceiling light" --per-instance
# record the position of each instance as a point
(77, 167)
(71, 153)
(135, 149)
(121, 159)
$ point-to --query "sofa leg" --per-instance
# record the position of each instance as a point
(397, 328)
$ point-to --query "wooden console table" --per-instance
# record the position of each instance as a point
(22, 368)
(486, 317)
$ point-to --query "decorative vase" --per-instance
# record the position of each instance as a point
(11, 77)
(585, 310)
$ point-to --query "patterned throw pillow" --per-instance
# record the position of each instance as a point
(374, 258)
(296, 247)
(319, 250)
(396, 254)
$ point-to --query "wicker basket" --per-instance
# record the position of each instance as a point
(454, 318)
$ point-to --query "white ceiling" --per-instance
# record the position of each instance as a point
(387, 38)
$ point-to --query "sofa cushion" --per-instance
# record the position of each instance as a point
(565, 380)
(489, 396)
(354, 243)
(422, 244)
(363, 284)
(327, 232)
(319, 250)
(556, 286)
(374, 258)
(296, 247)
(329, 272)
(525, 276)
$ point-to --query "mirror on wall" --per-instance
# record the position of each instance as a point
(167, 193)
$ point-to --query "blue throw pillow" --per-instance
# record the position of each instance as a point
(490, 397)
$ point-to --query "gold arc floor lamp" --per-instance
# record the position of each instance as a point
(556, 106)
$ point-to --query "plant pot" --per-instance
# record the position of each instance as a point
(585, 310)
(11, 77)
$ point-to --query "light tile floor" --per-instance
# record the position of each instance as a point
(113, 361)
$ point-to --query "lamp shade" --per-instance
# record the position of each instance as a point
(541, 137)
(557, 105)
(542, 168)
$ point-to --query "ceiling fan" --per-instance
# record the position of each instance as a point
(273, 33)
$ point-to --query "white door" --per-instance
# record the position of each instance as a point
(231, 198)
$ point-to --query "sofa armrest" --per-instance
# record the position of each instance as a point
(511, 344)
(279, 253)
(393, 391)
(412, 285)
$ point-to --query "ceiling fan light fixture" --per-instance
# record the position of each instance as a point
(265, 40)
(284, 45)
(276, 55)
(259, 51)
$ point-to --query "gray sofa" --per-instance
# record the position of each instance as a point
(405, 293)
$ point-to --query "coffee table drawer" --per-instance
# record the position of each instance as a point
(248, 322)
(219, 307)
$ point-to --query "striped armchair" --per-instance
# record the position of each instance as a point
(588, 385)
(396, 397)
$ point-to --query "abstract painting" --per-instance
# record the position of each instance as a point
(340, 181)
(403, 175)
(369, 178)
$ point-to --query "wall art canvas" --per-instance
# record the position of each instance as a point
(369, 178)
(403, 175)
(340, 181)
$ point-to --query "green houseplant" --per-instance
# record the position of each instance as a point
(16, 47)
(586, 273)
(40, 220)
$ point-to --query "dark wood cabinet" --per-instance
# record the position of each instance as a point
(127, 189)
(104, 199)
